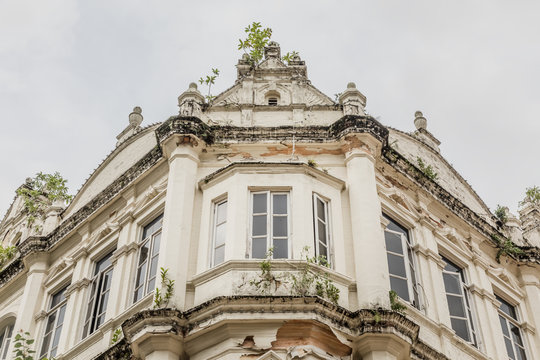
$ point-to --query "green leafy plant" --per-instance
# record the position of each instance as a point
(7, 253)
(427, 170)
(266, 278)
(532, 195)
(312, 163)
(289, 56)
(505, 247)
(501, 212)
(40, 192)
(311, 279)
(209, 81)
(163, 296)
(116, 336)
(395, 304)
(257, 38)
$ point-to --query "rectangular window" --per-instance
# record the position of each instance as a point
(220, 232)
(459, 304)
(321, 228)
(147, 263)
(401, 263)
(511, 331)
(53, 329)
(270, 224)
(99, 295)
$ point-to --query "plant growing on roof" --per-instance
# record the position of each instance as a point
(266, 280)
(209, 81)
(501, 212)
(163, 296)
(505, 247)
(427, 170)
(257, 39)
(532, 195)
(6, 253)
(116, 336)
(395, 304)
(40, 192)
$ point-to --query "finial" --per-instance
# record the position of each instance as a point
(420, 121)
(351, 85)
(272, 50)
(136, 118)
(192, 86)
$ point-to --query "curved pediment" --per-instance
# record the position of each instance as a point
(116, 163)
(447, 177)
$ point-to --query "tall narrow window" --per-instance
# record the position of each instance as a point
(401, 262)
(458, 300)
(321, 228)
(511, 331)
(147, 263)
(99, 295)
(5, 338)
(220, 232)
(53, 329)
(269, 226)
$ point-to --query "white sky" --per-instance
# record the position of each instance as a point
(71, 72)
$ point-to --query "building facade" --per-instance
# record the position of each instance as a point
(273, 223)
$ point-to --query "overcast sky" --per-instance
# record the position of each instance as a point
(71, 72)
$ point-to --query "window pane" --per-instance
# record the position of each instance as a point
(220, 234)
(50, 322)
(452, 283)
(396, 265)
(323, 251)
(520, 352)
(152, 227)
(259, 248)
(138, 294)
(504, 327)
(280, 226)
(221, 212)
(322, 231)
(45, 345)
(400, 287)
(320, 209)
(143, 255)
(157, 242)
(219, 255)
(393, 242)
(259, 225)
(280, 249)
(451, 267)
(259, 203)
(461, 329)
(103, 263)
(151, 285)
(58, 298)
(509, 348)
(141, 275)
(280, 204)
(455, 305)
(56, 338)
(516, 335)
(507, 308)
(153, 268)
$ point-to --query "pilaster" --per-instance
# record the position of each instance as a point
(371, 268)
(531, 285)
(182, 152)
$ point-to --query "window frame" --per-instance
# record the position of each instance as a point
(147, 263)
(510, 320)
(215, 211)
(55, 310)
(97, 294)
(327, 227)
(409, 259)
(6, 335)
(270, 222)
(466, 303)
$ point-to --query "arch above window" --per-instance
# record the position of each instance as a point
(272, 98)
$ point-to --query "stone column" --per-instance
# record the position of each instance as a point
(381, 347)
(36, 264)
(531, 287)
(371, 268)
(182, 153)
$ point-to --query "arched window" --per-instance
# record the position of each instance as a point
(272, 98)
(6, 332)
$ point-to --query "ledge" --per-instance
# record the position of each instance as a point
(218, 311)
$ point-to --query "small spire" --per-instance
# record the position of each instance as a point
(136, 118)
(420, 121)
(272, 50)
(353, 100)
